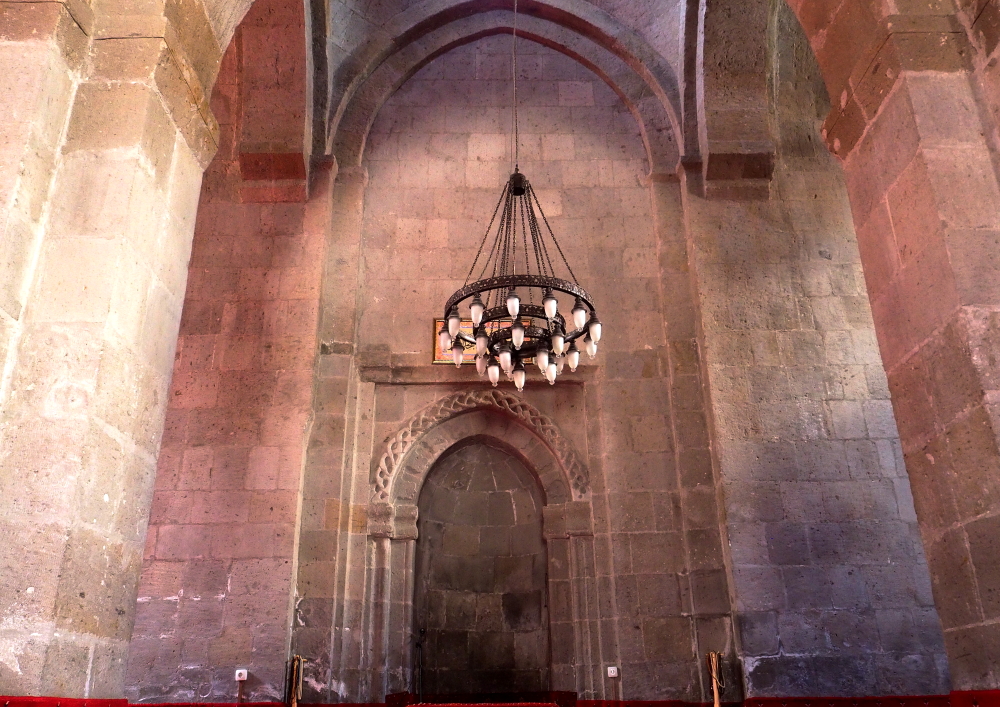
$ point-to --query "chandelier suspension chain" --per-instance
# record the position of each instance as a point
(479, 253)
(524, 244)
(542, 270)
(551, 233)
(515, 149)
(541, 256)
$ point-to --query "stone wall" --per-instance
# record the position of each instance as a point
(216, 589)
(104, 138)
(481, 586)
(831, 583)
(435, 162)
(917, 140)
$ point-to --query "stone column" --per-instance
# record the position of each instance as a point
(698, 505)
(333, 533)
(103, 212)
(911, 130)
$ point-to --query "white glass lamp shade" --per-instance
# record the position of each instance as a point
(558, 342)
(493, 370)
(542, 359)
(513, 304)
(579, 314)
(591, 346)
(476, 309)
(454, 323)
(482, 341)
(573, 357)
(551, 371)
(560, 364)
(481, 365)
(595, 328)
(457, 353)
(506, 360)
(519, 376)
(551, 304)
(517, 334)
(444, 339)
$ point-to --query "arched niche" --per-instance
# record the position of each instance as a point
(481, 579)
(520, 430)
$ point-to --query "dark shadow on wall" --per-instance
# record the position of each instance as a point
(481, 576)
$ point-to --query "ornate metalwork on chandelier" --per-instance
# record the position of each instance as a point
(508, 331)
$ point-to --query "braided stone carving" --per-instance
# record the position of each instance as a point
(436, 413)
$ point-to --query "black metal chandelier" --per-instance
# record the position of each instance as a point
(512, 302)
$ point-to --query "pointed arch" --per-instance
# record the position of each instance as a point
(530, 434)
(638, 74)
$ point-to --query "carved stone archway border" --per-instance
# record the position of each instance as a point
(399, 447)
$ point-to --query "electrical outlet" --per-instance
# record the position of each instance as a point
(612, 671)
(241, 674)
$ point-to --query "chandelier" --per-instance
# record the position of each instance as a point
(512, 301)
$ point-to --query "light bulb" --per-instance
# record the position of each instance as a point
(519, 375)
(513, 303)
(482, 341)
(493, 369)
(560, 364)
(573, 357)
(551, 371)
(517, 334)
(558, 341)
(591, 346)
(481, 365)
(550, 303)
(477, 308)
(579, 314)
(457, 353)
(454, 322)
(506, 360)
(542, 359)
(444, 339)
(595, 328)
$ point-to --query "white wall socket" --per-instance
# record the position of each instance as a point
(241, 674)
(612, 671)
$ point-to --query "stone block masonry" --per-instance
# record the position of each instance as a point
(830, 577)
(481, 594)
(727, 475)
(217, 574)
(649, 589)
(917, 139)
(103, 151)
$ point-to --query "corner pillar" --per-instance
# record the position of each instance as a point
(911, 128)
(100, 222)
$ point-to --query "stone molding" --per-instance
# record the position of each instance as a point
(399, 448)
(396, 521)
(566, 520)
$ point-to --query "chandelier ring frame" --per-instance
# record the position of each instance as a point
(506, 282)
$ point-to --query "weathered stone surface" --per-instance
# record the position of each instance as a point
(87, 355)
(477, 600)
(226, 507)
(106, 128)
(820, 524)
